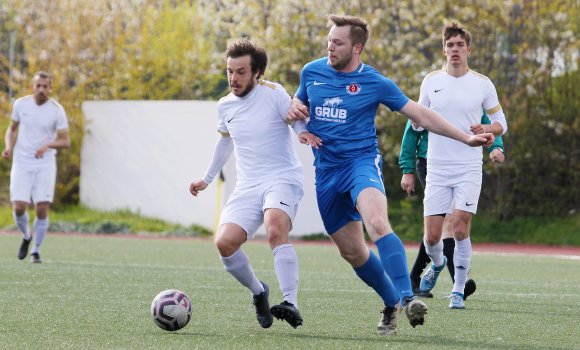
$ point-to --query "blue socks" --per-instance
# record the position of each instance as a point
(373, 274)
(394, 259)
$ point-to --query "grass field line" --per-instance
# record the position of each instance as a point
(338, 275)
(334, 291)
(495, 249)
(554, 256)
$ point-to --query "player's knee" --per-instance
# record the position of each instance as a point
(350, 257)
(277, 229)
(460, 234)
(225, 247)
(431, 239)
(42, 210)
(277, 236)
(377, 225)
(353, 256)
(19, 211)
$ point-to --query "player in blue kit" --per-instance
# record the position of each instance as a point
(341, 95)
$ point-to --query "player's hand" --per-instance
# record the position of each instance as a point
(197, 186)
(497, 156)
(477, 129)
(40, 152)
(310, 139)
(297, 111)
(408, 184)
(416, 127)
(7, 154)
(485, 140)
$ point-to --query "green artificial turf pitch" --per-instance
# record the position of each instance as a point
(95, 292)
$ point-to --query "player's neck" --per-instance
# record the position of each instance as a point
(351, 66)
(457, 71)
(40, 102)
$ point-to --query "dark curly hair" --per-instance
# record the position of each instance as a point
(243, 47)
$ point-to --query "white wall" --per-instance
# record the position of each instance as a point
(142, 155)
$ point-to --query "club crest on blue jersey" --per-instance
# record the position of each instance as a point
(330, 111)
(353, 88)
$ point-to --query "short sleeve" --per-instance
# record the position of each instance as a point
(283, 101)
(62, 122)
(221, 123)
(423, 95)
(491, 101)
(15, 116)
(391, 95)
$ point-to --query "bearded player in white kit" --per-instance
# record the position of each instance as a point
(42, 128)
(455, 170)
(251, 123)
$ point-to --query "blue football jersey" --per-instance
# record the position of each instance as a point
(343, 108)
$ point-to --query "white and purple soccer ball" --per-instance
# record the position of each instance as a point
(171, 310)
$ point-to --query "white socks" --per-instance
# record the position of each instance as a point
(40, 228)
(461, 259)
(286, 268)
(22, 224)
(435, 252)
(238, 265)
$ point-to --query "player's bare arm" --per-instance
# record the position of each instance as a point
(10, 139)
(298, 110)
(304, 136)
(494, 128)
(298, 113)
(62, 141)
(432, 121)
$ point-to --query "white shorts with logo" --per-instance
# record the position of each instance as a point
(247, 204)
(452, 188)
(32, 182)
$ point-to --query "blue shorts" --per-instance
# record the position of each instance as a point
(337, 189)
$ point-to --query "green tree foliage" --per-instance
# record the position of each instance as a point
(172, 49)
(106, 50)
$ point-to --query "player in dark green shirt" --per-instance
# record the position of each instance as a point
(413, 160)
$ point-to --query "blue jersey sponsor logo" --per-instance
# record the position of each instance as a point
(329, 110)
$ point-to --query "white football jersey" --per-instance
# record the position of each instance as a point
(37, 126)
(263, 143)
(461, 101)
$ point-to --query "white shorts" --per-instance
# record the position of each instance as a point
(452, 188)
(246, 205)
(32, 183)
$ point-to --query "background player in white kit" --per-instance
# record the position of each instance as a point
(455, 170)
(42, 128)
(251, 121)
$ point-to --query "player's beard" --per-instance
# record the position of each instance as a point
(342, 62)
(40, 98)
(247, 90)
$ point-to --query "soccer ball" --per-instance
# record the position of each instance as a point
(171, 310)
